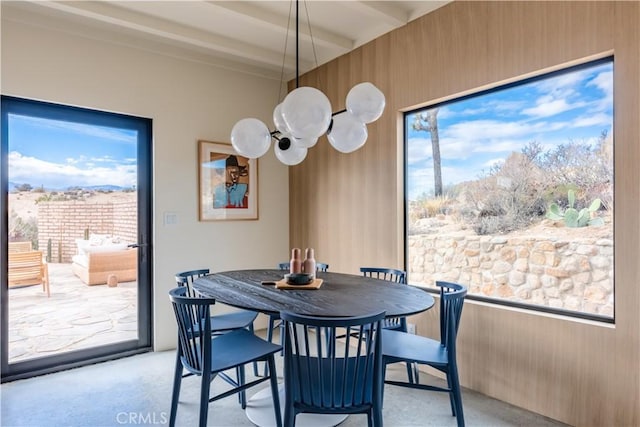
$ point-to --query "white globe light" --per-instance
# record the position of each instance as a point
(307, 112)
(305, 142)
(250, 138)
(278, 120)
(290, 154)
(366, 102)
(347, 133)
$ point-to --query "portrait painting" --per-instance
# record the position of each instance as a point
(228, 183)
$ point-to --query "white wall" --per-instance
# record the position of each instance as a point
(187, 101)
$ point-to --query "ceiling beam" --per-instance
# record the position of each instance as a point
(255, 16)
(103, 12)
(385, 10)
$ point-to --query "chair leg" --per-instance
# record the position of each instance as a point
(45, 279)
(289, 416)
(272, 322)
(255, 364)
(177, 381)
(273, 380)
(205, 387)
(452, 400)
(384, 373)
(456, 394)
(377, 417)
(241, 381)
(410, 372)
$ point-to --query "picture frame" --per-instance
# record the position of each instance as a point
(227, 183)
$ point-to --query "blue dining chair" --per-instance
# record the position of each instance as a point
(206, 355)
(403, 347)
(393, 323)
(220, 323)
(389, 275)
(326, 376)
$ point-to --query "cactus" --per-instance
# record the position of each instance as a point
(49, 250)
(572, 217)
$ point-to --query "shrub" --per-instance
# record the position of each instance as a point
(20, 229)
(509, 198)
(429, 207)
(23, 187)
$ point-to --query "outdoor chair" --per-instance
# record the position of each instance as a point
(403, 347)
(23, 246)
(26, 268)
(325, 376)
(204, 354)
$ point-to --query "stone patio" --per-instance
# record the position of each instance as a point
(76, 316)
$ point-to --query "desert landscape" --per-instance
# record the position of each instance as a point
(25, 203)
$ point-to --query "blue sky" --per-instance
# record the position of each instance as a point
(59, 154)
(481, 131)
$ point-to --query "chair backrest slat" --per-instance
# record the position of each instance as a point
(451, 303)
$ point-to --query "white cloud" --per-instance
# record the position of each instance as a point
(419, 150)
(599, 119)
(546, 107)
(462, 140)
(493, 162)
(604, 82)
(24, 169)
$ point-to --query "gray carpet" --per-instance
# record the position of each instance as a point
(137, 391)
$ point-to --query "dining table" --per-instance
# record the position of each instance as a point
(339, 295)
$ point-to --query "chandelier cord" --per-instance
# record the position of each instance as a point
(297, 47)
(313, 44)
(284, 55)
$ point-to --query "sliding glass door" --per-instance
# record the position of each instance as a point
(76, 209)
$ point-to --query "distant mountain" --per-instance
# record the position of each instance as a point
(105, 187)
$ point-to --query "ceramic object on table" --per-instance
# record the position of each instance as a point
(298, 279)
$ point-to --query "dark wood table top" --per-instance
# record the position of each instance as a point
(341, 295)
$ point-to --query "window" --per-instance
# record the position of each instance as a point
(510, 192)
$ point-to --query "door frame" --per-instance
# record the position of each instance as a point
(33, 367)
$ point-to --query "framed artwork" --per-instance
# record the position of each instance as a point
(227, 183)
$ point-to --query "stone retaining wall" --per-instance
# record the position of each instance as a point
(573, 274)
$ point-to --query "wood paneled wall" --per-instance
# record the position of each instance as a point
(350, 207)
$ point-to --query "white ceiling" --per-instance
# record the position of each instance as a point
(248, 36)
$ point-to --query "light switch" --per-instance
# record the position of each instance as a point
(170, 218)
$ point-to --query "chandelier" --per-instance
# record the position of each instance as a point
(305, 115)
